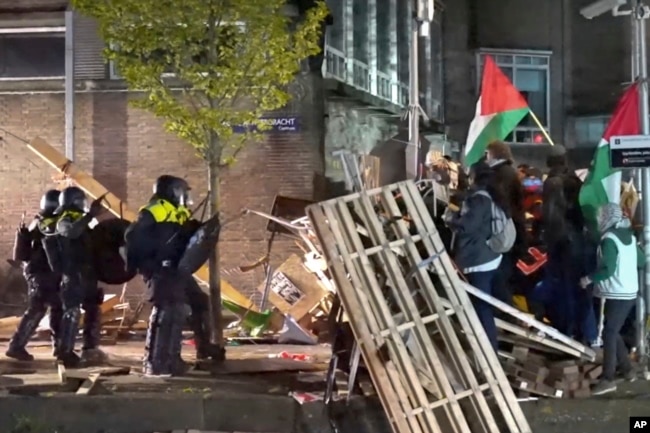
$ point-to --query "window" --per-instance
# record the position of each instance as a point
(529, 72)
(589, 130)
(34, 55)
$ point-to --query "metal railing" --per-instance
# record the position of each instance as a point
(358, 75)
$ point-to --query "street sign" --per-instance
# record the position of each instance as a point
(630, 151)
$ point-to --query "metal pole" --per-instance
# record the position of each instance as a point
(69, 85)
(645, 130)
(414, 106)
(634, 72)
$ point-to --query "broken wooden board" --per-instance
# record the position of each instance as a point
(586, 353)
(63, 380)
(375, 283)
(307, 294)
(119, 208)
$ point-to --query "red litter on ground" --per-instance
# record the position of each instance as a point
(293, 356)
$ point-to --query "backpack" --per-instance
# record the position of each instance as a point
(504, 233)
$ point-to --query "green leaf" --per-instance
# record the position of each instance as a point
(229, 60)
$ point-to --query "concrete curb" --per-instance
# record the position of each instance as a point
(274, 414)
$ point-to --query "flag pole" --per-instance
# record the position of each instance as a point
(641, 13)
(539, 124)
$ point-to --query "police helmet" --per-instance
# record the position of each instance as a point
(73, 198)
(50, 201)
(173, 189)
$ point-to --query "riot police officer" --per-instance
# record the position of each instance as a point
(42, 283)
(155, 244)
(73, 256)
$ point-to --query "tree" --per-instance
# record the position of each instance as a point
(206, 67)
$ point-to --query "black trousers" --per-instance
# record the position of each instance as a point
(502, 287)
(43, 292)
(615, 354)
(166, 290)
(75, 293)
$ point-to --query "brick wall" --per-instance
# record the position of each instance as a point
(126, 149)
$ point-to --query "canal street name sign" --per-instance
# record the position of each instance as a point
(276, 124)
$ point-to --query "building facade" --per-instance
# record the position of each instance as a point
(55, 84)
(570, 69)
(367, 71)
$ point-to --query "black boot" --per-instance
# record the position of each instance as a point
(56, 317)
(69, 329)
(157, 362)
(24, 332)
(91, 353)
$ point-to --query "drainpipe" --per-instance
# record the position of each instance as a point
(69, 85)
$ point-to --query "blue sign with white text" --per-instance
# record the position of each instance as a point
(276, 124)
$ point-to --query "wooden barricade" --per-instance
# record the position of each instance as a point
(433, 367)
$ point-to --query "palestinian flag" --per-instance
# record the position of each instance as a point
(603, 184)
(499, 110)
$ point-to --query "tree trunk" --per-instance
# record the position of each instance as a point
(214, 279)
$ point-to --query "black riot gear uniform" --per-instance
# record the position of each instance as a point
(155, 244)
(78, 279)
(42, 283)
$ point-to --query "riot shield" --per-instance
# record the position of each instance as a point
(200, 245)
(107, 239)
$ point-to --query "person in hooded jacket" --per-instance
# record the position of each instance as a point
(616, 281)
(472, 227)
(507, 182)
(42, 282)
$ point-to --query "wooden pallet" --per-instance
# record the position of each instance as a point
(433, 367)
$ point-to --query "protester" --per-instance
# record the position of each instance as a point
(507, 182)
(522, 171)
(472, 227)
(616, 280)
(567, 250)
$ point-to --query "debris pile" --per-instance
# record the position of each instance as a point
(532, 374)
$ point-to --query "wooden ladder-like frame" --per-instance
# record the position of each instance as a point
(432, 366)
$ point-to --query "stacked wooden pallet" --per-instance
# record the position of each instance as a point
(533, 374)
(412, 318)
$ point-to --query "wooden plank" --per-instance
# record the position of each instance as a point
(389, 388)
(485, 356)
(365, 210)
(119, 208)
(375, 309)
(587, 352)
(533, 336)
(91, 386)
(366, 271)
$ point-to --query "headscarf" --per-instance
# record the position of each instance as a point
(610, 216)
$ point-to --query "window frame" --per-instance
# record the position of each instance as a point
(542, 54)
(59, 31)
(114, 75)
(602, 119)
